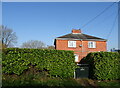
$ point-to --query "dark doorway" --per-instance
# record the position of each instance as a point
(82, 71)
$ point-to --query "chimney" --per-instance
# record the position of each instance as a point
(76, 31)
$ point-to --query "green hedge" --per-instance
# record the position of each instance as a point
(57, 63)
(104, 65)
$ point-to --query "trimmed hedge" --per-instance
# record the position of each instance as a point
(58, 63)
(104, 65)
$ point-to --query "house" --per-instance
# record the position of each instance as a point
(80, 43)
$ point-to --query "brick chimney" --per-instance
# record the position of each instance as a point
(75, 31)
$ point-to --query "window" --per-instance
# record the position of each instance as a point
(91, 44)
(71, 43)
(76, 58)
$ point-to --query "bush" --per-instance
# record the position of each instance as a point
(104, 65)
(57, 63)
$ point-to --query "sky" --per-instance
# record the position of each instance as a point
(45, 21)
(119, 29)
(60, 0)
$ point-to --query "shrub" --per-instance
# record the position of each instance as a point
(104, 65)
(58, 63)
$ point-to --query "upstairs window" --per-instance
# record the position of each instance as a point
(71, 43)
(91, 44)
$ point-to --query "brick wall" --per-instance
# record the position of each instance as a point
(81, 51)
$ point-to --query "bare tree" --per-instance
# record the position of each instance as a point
(36, 44)
(7, 37)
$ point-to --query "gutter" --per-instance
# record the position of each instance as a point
(81, 39)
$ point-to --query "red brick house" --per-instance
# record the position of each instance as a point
(80, 43)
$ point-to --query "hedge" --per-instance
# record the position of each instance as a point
(58, 63)
(104, 65)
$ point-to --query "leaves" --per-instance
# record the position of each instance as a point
(58, 63)
(104, 65)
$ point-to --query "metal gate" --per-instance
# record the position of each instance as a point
(82, 71)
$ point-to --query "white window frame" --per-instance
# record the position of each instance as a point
(91, 44)
(76, 58)
(72, 44)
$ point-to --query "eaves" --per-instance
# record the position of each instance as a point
(81, 39)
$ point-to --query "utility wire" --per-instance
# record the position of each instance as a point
(98, 15)
(114, 22)
(118, 8)
(112, 27)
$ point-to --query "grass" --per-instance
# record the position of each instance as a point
(37, 82)
(28, 80)
(106, 84)
(32, 82)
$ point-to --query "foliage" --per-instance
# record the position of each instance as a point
(33, 44)
(109, 84)
(57, 63)
(104, 65)
(27, 81)
(50, 47)
(119, 51)
(31, 81)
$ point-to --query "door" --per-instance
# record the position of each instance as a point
(76, 58)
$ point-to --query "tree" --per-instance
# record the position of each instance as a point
(36, 44)
(7, 37)
(50, 47)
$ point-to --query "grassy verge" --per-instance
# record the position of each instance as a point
(39, 81)
(37, 84)
(111, 84)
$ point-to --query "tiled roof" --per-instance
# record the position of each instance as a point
(80, 36)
